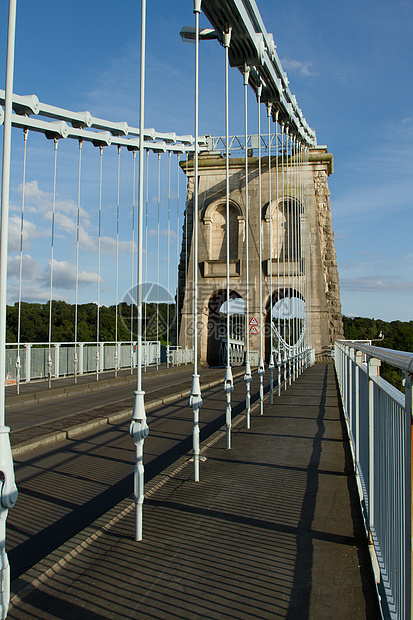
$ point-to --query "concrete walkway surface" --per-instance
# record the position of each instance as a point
(272, 530)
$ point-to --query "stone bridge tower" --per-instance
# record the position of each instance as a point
(325, 308)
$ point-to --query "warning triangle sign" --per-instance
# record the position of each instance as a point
(254, 329)
(253, 321)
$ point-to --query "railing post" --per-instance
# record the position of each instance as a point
(373, 371)
(80, 362)
(57, 359)
(116, 358)
(345, 377)
(102, 356)
(358, 362)
(351, 358)
(28, 348)
(409, 496)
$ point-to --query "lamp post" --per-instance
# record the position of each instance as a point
(139, 427)
(189, 34)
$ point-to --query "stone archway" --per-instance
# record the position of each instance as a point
(216, 325)
(288, 324)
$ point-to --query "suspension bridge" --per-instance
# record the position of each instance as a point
(216, 255)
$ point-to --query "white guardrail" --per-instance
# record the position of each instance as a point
(379, 423)
(37, 358)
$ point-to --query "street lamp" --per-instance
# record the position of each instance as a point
(188, 34)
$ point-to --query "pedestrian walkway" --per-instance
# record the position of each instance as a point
(272, 530)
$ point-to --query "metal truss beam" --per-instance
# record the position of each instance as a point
(253, 46)
(30, 113)
(237, 143)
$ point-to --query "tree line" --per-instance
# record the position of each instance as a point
(34, 327)
(34, 322)
(397, 335)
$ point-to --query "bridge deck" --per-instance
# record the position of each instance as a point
(272, 530)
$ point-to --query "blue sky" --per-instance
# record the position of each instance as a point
(350, 66)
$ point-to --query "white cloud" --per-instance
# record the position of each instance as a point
(64, 275)
(31, 293)
(39, 201)
(302, 67)
(64, 222)
(107, 244)
(30, 267)
(30, 231)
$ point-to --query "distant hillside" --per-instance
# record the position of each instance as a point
(397, 335)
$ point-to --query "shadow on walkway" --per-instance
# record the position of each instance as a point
(272, 530)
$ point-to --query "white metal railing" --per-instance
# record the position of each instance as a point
(179, 356)
(379, 422)
(236, 350)
(35, 361)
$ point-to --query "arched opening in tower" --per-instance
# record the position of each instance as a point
(285, 322)
(218, 339)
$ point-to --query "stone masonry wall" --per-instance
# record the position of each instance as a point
(328, 254)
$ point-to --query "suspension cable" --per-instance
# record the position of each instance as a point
(295, 259)
(195, 400)
(157, 264)
(132, 258)
(247, 374)
(168, 256)
(177, 258)
(146, 257)
(75, 358)
(291, 270)
(18, 360)
(261, 368)
(228, 381)
(289, 222)
(277, 197)
(117, 268)
(270, 245)
(49, 356)
(298, 258)
(99, 257)
(284, 251)
(186, 263)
